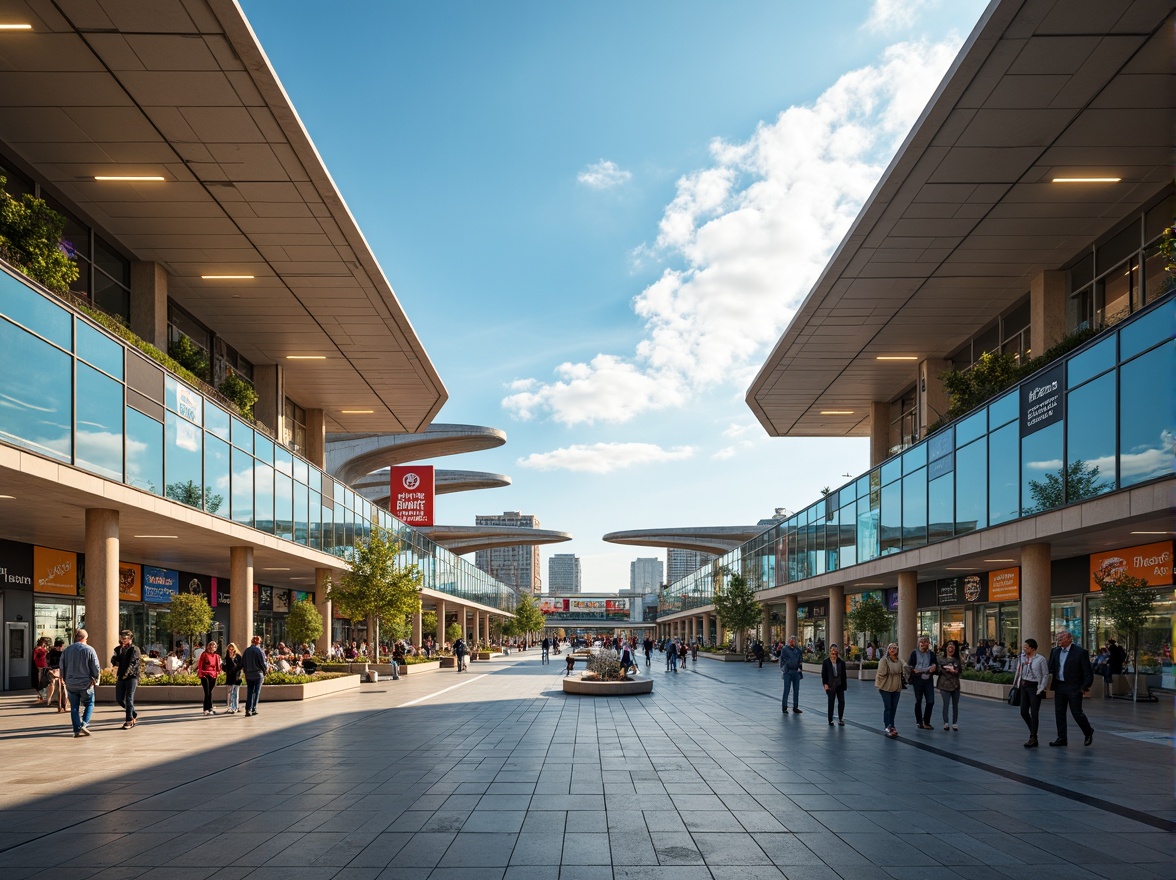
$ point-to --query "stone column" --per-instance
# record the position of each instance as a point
(316, 438)
(719, 639)
(241, 596)
(1036, 622)
(837, 619)
(879, 432)
(322, 601)
(1047, 317)
(933, 399)
(102, 582)
(417, 635)
(149, 304)
(908, 612)
(440, 634)
(790, 612)
(706, 626)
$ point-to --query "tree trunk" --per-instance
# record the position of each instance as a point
(1135, 664)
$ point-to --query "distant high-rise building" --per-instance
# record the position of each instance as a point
(645, 574)
(563, 573)
(516, 566)
(680, 563)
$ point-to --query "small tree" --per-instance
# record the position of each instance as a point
(453, 632)
(304, 623)
(528, 617)
(190, 616)
(428, 624)
(1127, 605)
(869, 616)
(737, 607)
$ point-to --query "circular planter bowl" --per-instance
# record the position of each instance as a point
(607, 688)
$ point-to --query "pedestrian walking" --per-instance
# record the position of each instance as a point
(890, 680)
(923, 665)
(233, 667)
(56, 685)
(254, 666)
(1032, 671)
(672, 656)
(460, 651)
(790, 659)
(41, 670)
(1069, 664)
(948, 684)
(208, 667)
(682, 654)
(126, 662)
(80, 671)
(545, 658)
(571, 661)
(834, 681)
(648, 645)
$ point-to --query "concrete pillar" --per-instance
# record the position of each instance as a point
(706, 618)
(766, 623)
(1047, 316)
(322, 601)
(270, 408)
(149, 305)
(440, 634)
(102, 582)
(1035, 588)
(837, 619)
(908, 612)
(790, 612)
(241, 596)
(933, 399)
(879, 432)
(316, 438)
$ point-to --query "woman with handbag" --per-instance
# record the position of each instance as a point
(208, 667)
(890, 680)
(834, 681)
(948, 684)
(1032, 671)
(234, 665)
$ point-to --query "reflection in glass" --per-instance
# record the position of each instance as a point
(847, 536)
(891, 518)
(216, 420)
(971, 489)
(1090, 439)
(1147, 423)
(914, 458)
(301, 516)
(971, 428)
(941, 508)
(315, 512)
(27, 307)
(184, 463)
(144, 462)
(242, 435)
(217, 470)
(263, 498)
(914, 509)
(283, 505)
(99, 350)
(1041, 470)
(1004, 490)
(1097, 359)
(36, 390)
(1147, 331)
(242, 502)
(98, 436)
(1004, 410)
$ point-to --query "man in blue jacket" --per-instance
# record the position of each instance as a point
(80, 672)
(255, 665)
(790, 660)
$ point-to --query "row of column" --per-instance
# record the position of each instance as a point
(474, 622)
(1035, 607)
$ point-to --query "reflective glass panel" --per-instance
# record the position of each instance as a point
(144, 452)
(1004, 475)
(300, 470)
(98, 435)
(1041, 470)
(217, 470)
(184, 462)
(216, 420)
(971, 487)
(891, 537)
(892, 470)
(1090, 439)
(914, 458)
(242, 501)
(36, 393)
(179, 398)
(914, 509)
(283, 505)
(99, 350)
(242, 436)
(315, 513)
(1004, 410)
(301, 521)
(975, 425)
(283, 461)
(941, 509)
(327, 528)
(316, 479)
(1146, 331)
(940, 445)
(263, 447)
(27, 307)
(847, 536)
(863, 486)
(1147, 423)
(1096, 359)
(263, 498)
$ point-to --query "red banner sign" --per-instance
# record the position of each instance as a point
(412, 494)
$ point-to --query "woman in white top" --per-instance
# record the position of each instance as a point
(1032, 672)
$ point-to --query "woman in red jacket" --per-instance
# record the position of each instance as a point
(208, 667)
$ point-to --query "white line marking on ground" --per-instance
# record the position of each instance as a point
(443, 690)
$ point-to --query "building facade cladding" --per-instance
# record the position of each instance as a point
(517, 566)
(680, 563)
(1107, 426)
(563, 573)
(646, 574)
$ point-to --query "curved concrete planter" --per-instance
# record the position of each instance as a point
(270, 693)
(607, 688)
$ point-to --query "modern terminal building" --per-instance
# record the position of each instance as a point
(203, 222)
(1025, 214)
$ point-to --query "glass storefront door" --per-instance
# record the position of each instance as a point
(56, 620)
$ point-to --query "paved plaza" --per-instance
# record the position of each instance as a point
(495, 775)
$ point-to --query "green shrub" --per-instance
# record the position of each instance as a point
(984, 675)
(30, 239)
(191, 357)
(240, 392)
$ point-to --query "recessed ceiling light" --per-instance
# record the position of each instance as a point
(897, 357)
(306, 357)
(949, 568)
(16, 27)
(1169, 532)
(356, 412)
(871, 584)
(275, 569)
(1087, 179)
(999, 560)
(228, 277)
(837, 412)
(156, 536)
(126, 177)
(9, 497)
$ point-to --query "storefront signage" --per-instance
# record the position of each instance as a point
(585, 609)
(200, 585)
(282, 600)
(55, 571)
(130, 582)
(412, 494)
(222, 592)
(1043, 400)
(188, 403)
(1004, 585)
(160, 584)
(890, 598)
(16, 566)
(1152, 562)
(265, 598)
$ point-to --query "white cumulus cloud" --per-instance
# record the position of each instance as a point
(744, 239)
(603, 175)
(889, 16)
(603, 458)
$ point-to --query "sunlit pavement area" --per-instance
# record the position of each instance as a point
(494, 773)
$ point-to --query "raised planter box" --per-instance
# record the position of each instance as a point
(270, 693)
(607, 688)
(448, 663)
(724, 657)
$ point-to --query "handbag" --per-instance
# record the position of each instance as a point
(1015, 696)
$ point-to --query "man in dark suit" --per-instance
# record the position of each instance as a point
(1069, 664)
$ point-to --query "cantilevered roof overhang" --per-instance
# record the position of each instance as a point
(705, 539)
(377, 487)
(351, 457)
(182, 89)
(470, 539)
(966, 214)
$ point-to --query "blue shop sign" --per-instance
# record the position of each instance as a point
(160, 584)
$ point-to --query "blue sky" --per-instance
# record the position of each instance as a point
(600, 216)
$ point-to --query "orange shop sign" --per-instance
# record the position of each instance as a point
(1004, 585)
(55, 571)
(1152, 562)
(130, 582)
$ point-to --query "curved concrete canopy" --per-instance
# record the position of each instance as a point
(469, 539)
(374, 487)
(353, 456)
(706, 539)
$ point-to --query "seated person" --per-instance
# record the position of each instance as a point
(309, 666)
(283, 665)
(173, 665)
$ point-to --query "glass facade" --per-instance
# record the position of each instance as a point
(1112, 426)
(66, 393)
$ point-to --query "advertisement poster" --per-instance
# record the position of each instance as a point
(552, 606)
(1004, 585)
(55, 571)
(412, 494)
(130, 582)
(1043, 401)
(222, 591)
(265, 598)
(200, 584)
(616, 609)
(160, 584)
(1152, 562)
(16, 565)
(281, 600)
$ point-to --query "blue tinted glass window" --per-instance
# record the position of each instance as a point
(1147, 423)
(941, 509)
(316, 479)
(868, 525)
(242, 436)
(99, 350)
(283, 505)
(940, 445)
(216, 420)
(1096, 359)
(847, 536)
(1148, 330)
(941, 466)
(184, 462)
(98, 434)
(263, 448)
(181, 399)
(315, 515)
(914, 509)
(975, 425)
(144, 462)
(914, 458)
(891, 518)
(301, 514)
(28, 308)
(971, 487)
(1004, 475)
(1090, 439)
(217, 475)
(327, 527)
(863, 486)
(263, 498)
(1041, 470)
(1003, 410)
(36, 393)
(301, 470)
(892, 470)
(242, 500)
